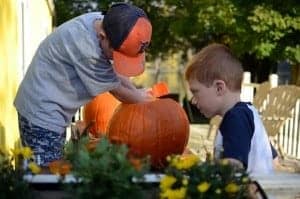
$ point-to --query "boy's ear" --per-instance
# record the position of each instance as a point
(220, 87)
(100, 31)
(101, 35)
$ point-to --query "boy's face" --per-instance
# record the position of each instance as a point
(206, 99)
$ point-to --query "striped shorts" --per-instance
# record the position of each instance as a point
(47, 145)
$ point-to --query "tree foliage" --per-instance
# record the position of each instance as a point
(262, 30)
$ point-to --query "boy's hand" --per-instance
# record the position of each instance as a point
(146, 94)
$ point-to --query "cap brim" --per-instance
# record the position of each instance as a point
(129, 66)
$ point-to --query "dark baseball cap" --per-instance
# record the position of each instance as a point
(129, 32)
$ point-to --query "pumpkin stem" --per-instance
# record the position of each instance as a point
(76, 133)
(86, 129)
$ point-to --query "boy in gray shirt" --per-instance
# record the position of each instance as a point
(73, 65)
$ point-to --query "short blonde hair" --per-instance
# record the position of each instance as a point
(213, 62)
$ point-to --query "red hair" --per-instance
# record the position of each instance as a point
(216, 62)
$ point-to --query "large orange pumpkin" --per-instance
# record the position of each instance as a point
(100, 110)
(157, 128)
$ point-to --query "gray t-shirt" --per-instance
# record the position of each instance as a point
(68, 69)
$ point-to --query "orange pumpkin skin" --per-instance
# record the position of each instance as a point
(100, 110)
(158, 128)
(160, 89)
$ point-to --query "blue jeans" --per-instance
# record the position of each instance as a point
(47, 145)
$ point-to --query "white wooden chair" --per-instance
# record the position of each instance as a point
(260, 96)
(214, 124)
(280, 103)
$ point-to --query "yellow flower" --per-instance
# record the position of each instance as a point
(232, 188)
(218, 191)
(185, 181)
(26, 152)
(245, 179)
(179, 193)
(203, 187)
(184, 162)
(167, 182)
(34, 168)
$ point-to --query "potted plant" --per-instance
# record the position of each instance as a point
(12, 184)
(188, 177)
(101, 170)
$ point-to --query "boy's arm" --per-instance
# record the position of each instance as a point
(125, 81)
(126, 92)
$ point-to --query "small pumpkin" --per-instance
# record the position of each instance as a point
(61, 167)
(100, 110)
(160, 89)
(157, 128)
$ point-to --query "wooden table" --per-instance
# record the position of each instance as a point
(281, 185)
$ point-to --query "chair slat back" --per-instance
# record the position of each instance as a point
(279, 106)
(261, 94)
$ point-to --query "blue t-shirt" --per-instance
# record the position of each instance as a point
(68, 69)
(242, 136)
(237, 129)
